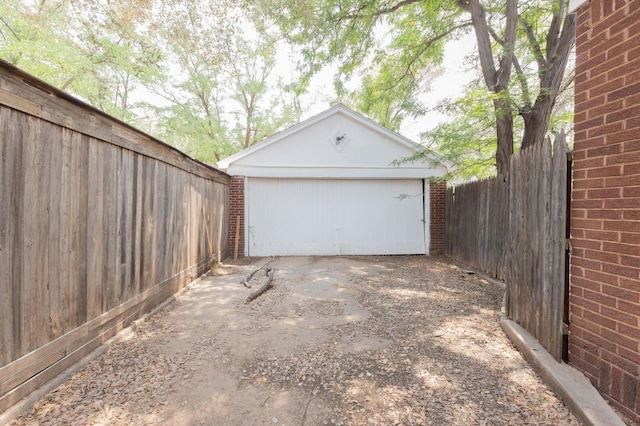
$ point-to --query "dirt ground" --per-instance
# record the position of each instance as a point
(407, 340)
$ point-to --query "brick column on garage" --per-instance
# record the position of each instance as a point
(236, 209)
(437, 198)
(604, 339)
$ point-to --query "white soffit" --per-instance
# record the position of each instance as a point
(338, 172)
(575, 4)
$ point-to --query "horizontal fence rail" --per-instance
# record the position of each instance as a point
(514, 229)
(98, 224)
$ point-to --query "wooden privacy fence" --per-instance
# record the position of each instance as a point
(98, 223)
(476, 225)
(514, 229)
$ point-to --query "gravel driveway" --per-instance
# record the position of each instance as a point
(348, 340)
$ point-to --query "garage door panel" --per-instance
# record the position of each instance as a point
(286, 216)
(327, 217)
(377, 220)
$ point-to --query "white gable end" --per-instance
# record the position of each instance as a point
(336, 144)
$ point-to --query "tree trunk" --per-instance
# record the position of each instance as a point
(536, 122)
(504, 126)
(559, 44)
(497, 80)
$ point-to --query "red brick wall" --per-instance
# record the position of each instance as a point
(236, 208)
(438, 192)
(605, 226)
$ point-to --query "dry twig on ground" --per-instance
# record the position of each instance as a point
(246, 279)
(270, 272)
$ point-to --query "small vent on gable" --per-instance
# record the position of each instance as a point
(338, 139)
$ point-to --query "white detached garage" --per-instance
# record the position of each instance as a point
(328, 186)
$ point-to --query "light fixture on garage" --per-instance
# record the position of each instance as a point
(338, 139)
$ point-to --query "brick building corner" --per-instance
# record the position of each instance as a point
(605, 216)
(437, 199)
(236, 213)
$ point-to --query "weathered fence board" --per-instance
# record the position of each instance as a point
(98, 223)
(475, 230)
(514, 229)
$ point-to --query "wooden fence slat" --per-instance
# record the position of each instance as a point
(136, 265)
(30, 236)
(82, 144)
(64, 242)
(17, 127)
(7, 161)
(558, 217)
(42, 255)
(95, 236)
(75, 214)
(126, 219)
(160, 218)
(108, 227)
(54, 276)
(115, 238)
(170, 230)
(5, 290)
(544, 331)
(147, 224)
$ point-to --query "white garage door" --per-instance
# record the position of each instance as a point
(335, 216)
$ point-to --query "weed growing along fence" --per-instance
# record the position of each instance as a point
(514, 229)
(98, 224)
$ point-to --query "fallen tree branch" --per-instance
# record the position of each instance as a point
(266, 286)
(246, 279)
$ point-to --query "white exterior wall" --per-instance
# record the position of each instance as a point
(309, 150)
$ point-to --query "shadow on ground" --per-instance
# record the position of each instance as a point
(338, 340)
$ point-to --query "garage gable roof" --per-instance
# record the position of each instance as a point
(337, 143)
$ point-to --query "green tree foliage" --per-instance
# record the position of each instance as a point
(472, 147)
(390, 50)
(28, 33)
(249, 69)
(213, 71)
(212, 81)
(91, 48)
(221, 94)
(192, 35)
(522, 51)
(387, 98)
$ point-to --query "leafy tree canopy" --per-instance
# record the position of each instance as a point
(95, 52)
(212, 69)
(522, 51)
(213, 87)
